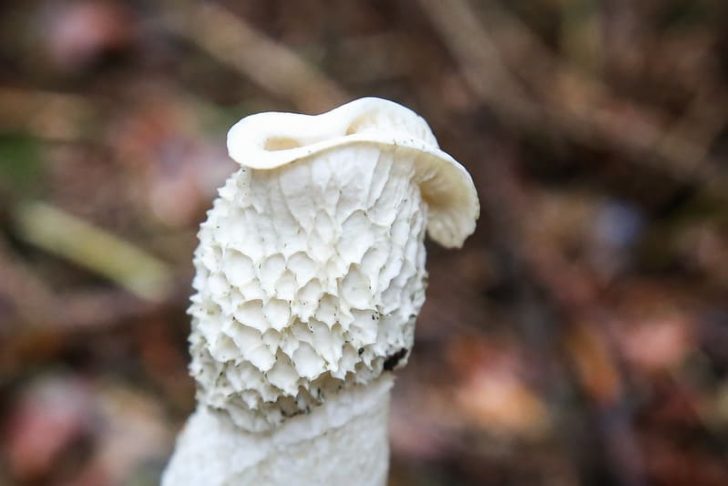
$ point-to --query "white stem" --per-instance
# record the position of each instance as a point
(344, 441)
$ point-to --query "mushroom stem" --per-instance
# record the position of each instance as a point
(344, 441)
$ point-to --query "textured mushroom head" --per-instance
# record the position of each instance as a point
(311, 264)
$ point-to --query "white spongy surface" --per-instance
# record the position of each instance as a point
(309, 278)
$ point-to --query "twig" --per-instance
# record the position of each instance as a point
(47, 115)
(31, 298)
(595, 117)
(94, 248)
(240, 46)
(481, 61)
(574, 335)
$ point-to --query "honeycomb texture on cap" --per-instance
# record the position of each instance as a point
(308, 281)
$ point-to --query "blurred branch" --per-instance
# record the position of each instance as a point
(702, 121)
(61, 323)
(46, 319)
(481, 62)
(49, 116)
(31, 298)
(240, 46)
(78, 241)
(584, 343)
(569, 104)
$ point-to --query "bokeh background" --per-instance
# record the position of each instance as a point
(579, 338)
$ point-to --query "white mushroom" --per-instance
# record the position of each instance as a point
(310, 275)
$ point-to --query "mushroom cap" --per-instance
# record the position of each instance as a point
(265, 141)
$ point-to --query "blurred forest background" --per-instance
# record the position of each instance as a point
(579, 338)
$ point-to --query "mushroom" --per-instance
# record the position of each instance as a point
(310, 273)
